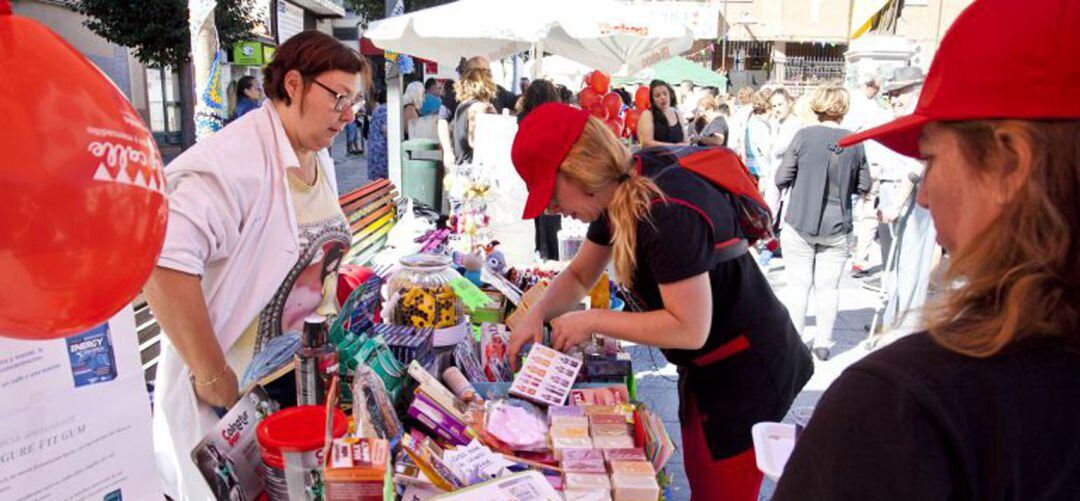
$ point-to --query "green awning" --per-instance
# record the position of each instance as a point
(674, 71)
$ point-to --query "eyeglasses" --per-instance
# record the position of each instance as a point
(343, 101)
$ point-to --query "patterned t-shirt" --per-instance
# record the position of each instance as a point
(311, 285)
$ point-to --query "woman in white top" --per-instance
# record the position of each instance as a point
(254, 239)
(411, 101)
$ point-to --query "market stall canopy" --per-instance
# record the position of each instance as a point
(676, 70)
(466, 28)
(559, 70)
(602, 34)
(612, 37)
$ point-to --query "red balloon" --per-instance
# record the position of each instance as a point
(632, 117)
(587, 98)
(599, 82)
(599, 111)
(616, 126)
(613, 103)
(83, 184)
(642, 99)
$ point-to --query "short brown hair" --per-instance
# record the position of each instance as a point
(830, 103)
(311, 53)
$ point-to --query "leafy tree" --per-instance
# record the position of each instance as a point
(372, 10)
(157, 33)
(157, 30)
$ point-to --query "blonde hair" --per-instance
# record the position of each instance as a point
(1021, 276)
(744, 95)
(709, 103)
(830, 103)
(760, 101)
(595, 161)
(476, 84)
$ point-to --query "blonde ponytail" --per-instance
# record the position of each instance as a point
(598, 159)
(629, 205)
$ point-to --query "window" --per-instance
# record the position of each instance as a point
(163, 94)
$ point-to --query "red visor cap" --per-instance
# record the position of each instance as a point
(1001, 59)
(543, 139)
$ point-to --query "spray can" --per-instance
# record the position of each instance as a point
(316, 360)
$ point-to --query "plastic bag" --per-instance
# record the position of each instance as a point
(519, 425)
(373, 405)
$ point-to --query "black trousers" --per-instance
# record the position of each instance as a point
(547, 236)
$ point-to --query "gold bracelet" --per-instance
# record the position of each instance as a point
(217, 377)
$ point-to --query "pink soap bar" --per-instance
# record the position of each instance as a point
(634, 487)
(587, 495)
(619, 442)
(562, 444)
(635, 454)
(610, 430)
(593, 410)
(565, 410)
(582, 465)
(569, 421)
(644, 468)
(607, 419)
(586, 454)
(569, 431)
(586, 481)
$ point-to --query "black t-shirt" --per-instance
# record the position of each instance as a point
(916, 421)
(677, 242)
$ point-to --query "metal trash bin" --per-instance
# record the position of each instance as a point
(422, 172)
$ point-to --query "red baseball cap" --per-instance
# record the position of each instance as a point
(543, 139)
(1001, 59)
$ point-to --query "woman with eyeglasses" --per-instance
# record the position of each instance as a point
(254, 240)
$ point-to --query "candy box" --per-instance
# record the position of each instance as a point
(356, 470)
(91, 355)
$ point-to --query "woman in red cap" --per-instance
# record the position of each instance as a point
(982, 404)
(711, 310)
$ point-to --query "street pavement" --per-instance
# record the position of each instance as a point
(351, 170)
(657, 379)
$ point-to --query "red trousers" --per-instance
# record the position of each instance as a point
(730, 479)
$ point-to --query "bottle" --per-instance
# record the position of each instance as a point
(316, 360)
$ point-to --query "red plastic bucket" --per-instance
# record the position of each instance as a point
(296, 429)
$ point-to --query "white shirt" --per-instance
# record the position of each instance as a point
(231, 221)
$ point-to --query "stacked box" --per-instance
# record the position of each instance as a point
(408, 343)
